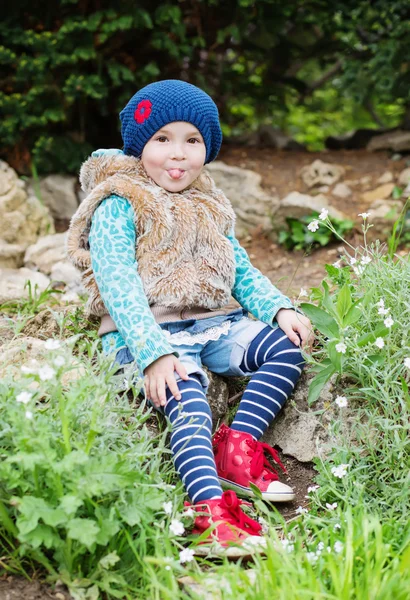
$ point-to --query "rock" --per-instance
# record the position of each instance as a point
(218, 397)
(352, 140)
(7, 329)
(406, 191)
(13, 282)
(23, 218)
(383, 213)
(299, 205)
(321, 173)
(65, 272)
(387, 177)
(398, 141)
(404, 177)
(31, 352)
(46, 252)
(304, 432)
(341, 190)
(365, 181)
(252, 205)
(380, 193)
(58, 194)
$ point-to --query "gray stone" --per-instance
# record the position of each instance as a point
(57, 192)
(23, 218)
(321, 173)
(46, 252)
(13, 283)
(387, 177)
(218, 397)
(305, 432)
(66, 272)
(299, 205)
(341, 190)
(404, 177)
(398, 141)
(253, 205)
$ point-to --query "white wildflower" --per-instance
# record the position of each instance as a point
(52, 345)
(300, 510)
(312, 557)
(24, 397)
(167, 568)
(353, 261)
(186, 555)
(341, 347)
(29, 415)
(380, 302)
(177, 527)
(379, 342)
(313, 226)
(288, 546)
(364, 215)
(388, 322)
(320, 547)
(31, 367)
(341, 401)
(383, 311)
(167, 506)
(323, 214)
(337, 526)
(337, 264)
(46, 373)
(332, 506)
(189, 512)
(340, 471)
(338, 547)
(312, 488)
(59, 361)
(303, 292)
(358, 270)
(407, 363)
(366, 260)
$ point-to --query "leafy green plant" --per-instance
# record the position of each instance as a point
(35, 301)
(298, 237)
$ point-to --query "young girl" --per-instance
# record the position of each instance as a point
(155, 241)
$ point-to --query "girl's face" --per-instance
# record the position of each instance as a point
(174, 156)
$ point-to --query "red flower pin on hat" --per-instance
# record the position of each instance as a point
(143, 111)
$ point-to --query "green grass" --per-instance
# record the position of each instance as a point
(83, 480)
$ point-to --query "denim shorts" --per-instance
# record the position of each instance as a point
(222, 356)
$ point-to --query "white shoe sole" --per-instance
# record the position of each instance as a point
(231, 552)
(247, 492)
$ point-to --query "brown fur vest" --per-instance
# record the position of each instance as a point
(183, 256)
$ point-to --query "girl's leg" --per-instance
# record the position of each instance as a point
(191, 441)
(278, 364)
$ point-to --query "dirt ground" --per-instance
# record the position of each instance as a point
(17, 588)
(280, 175)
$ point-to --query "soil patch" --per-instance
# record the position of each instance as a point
(17, 588)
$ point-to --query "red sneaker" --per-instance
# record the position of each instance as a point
(240, 460)
(234, 534)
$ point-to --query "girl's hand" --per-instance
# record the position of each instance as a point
(293, 323)
(160, 374)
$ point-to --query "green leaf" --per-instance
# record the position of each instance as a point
(70, 503)
(344, 302)
(324, 322)
(336, 357)
(353, 315)
(318, 382)
(368, 338)
(109, 560)
(84, 531)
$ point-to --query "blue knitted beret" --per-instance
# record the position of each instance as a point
(163, 102)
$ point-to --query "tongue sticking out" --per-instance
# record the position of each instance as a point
(176, 173)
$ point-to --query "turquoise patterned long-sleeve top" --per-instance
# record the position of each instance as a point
(116, 271)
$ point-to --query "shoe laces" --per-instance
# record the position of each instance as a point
(260, 463)
(233, 513)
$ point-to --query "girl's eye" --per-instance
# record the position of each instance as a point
(193, 140)
(161, 138)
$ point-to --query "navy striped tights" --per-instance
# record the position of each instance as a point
(276, 364)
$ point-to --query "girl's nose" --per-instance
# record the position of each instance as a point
(177, 151)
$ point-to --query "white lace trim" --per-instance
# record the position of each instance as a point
(190, 339)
